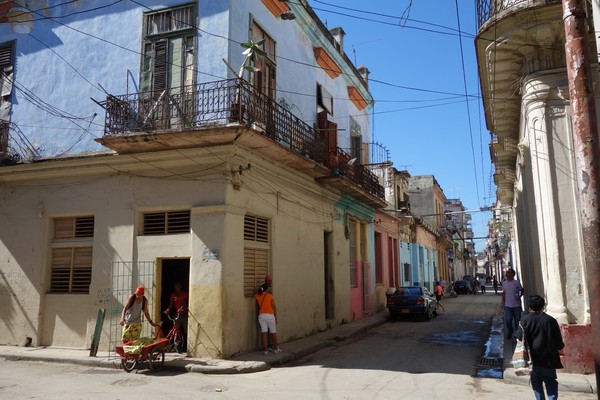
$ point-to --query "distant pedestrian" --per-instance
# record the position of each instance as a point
(439, 294)
(482, 282)
(511, 298)
(545, 345)
(495, 280)
(267, 316)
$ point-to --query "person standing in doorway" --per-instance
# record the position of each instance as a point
(267, 316)
(511, 298)
(131, 316)
(178, 304)
(545, 345)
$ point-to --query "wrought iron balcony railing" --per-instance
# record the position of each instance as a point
(340, 163)
(220, 103)
(486, 9)
(211, 105)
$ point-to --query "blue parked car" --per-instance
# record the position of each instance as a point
(411, 301)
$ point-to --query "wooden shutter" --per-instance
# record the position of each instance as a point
(256, 267)
(160, 67)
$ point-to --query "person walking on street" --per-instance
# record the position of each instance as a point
(495, 284)
(267, 316)
(439, 294)
(511, 298)
(131, 316)
(545, 346)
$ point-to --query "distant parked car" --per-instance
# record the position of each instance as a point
(411, 301)
(463, 287)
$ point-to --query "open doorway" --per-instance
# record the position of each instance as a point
(172, 270)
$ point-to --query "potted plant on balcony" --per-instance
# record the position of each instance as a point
(252, 49)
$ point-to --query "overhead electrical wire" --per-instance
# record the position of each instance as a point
(462, 57)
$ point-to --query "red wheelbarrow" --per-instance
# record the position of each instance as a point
(136, 352)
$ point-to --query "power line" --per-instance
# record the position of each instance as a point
(462, 57)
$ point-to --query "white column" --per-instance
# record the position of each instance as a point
(538, 138)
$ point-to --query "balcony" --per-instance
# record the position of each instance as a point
(487, 9)
(221, 112)
(344, 171)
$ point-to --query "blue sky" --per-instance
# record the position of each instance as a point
(421, 77)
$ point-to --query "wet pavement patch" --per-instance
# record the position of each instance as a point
(491, 364)
(458, 338)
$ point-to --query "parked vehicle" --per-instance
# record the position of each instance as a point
(411, 301)
(463, 287)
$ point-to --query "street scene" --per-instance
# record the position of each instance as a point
(407, 358)
(299, 198)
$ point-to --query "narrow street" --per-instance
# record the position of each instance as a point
(406, 359)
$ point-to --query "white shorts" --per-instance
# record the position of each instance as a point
(267, 323)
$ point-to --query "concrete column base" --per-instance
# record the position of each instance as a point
(579, 354)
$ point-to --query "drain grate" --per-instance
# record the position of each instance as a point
(491, 361)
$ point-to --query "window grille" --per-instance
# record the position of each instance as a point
(166, 222)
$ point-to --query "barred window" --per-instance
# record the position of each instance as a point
(71, 259)
(166, 222)
(256, 252)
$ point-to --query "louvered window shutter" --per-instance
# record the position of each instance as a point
(160, 66)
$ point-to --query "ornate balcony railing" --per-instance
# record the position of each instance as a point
(212, 105)
(486, 9)
(340, 163)
(220, 103)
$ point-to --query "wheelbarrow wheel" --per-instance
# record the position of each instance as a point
(156, 359)
(128, 364)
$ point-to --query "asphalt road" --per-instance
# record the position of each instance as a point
(431, 360)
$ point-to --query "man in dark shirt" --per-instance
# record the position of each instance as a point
(545, 345)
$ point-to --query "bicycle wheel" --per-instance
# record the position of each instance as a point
(128, 364)
(156, 359)
(178, 342)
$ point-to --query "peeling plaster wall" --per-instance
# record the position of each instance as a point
(559, 273)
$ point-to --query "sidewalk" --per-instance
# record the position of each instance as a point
(244, 363)
(566, 382)
(256, 361)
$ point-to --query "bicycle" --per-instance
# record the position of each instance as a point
(175, 337)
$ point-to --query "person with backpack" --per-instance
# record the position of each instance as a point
(131, 317)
